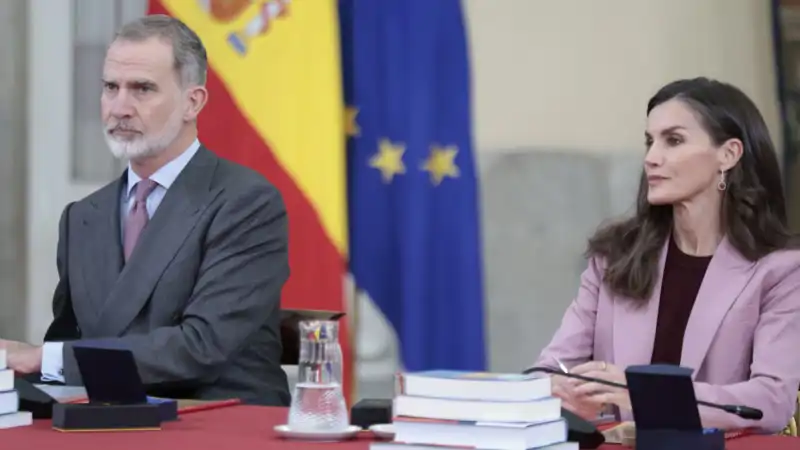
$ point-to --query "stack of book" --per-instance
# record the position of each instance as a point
(437, 409)
(10, 415)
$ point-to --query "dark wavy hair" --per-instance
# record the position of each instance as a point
(753, 206)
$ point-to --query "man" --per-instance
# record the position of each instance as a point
(181, 260)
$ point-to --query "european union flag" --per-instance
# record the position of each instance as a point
(413, 194)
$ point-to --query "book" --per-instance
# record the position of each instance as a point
(541, 410)
(6, 380)
(406, 446)
(474, 385)
(9, 402)
(500, 435)
(16, 419)
(447, 409)
(10, 415)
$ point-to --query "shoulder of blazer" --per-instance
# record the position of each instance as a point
(237, 178)
(779, 266)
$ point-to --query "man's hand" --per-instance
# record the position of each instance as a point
(22, 358)
(11, 346)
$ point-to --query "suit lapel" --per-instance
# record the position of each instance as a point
(159, 243)
(727, 275)
(635, 323)
(101, 260)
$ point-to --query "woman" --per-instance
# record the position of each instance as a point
(704, 275)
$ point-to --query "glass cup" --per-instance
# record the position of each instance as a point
(318, 403)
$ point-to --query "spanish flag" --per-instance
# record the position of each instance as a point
(276, 105)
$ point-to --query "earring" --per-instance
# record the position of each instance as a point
(722, 185)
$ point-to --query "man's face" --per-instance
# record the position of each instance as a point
(143, 105)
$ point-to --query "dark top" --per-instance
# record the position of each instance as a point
(681, 281)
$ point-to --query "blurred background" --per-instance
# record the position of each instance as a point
(558, 105)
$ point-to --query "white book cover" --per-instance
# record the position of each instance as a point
(6, 380)
(542, 410)
(17, 419)
(485, 386)
(9, 402)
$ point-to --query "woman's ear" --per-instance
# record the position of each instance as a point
(729, 154)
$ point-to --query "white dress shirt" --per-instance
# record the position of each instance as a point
(52, 352)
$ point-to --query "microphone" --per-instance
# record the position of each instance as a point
(745, 412)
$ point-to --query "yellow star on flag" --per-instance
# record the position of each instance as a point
(441, 163)
(389, 159)
(350, 121)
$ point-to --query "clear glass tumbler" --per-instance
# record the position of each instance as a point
(318, 402)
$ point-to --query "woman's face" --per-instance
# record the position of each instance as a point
(682, 161)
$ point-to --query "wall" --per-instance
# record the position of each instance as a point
(575, 75)
(790, 65)
(12, 169)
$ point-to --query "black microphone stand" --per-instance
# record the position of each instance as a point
(665, 407)
(745, 412)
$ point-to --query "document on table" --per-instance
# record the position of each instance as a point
(62, 393)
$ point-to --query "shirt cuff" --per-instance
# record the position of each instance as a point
(53, 361)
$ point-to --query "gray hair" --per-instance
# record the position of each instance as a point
(190, 60)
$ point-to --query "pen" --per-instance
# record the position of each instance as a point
(208, 406)
(561, 366)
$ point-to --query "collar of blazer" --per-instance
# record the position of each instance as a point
(727, 275)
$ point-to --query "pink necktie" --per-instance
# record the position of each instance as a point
(137, 217)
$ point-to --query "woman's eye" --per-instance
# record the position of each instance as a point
(673, 141)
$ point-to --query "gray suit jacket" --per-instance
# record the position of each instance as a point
(198, 303)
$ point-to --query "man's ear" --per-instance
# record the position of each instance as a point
(729, 154)
(198, 96)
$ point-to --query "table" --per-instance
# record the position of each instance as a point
(241, 428)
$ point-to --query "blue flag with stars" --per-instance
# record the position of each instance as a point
(413, 194)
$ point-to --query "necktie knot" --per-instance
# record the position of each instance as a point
(143, 189)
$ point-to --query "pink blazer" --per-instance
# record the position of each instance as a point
(742, 339)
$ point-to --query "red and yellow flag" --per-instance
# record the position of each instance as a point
(275, 105)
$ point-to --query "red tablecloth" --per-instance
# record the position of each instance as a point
(240, 428)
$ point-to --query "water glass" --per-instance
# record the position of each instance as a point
(318, 403)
